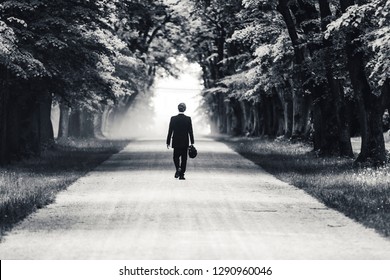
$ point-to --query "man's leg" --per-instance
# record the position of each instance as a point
(184, 153)
(176, 161)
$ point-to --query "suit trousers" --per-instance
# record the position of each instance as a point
(180, 153)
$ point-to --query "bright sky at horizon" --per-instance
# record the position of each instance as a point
(169, 92)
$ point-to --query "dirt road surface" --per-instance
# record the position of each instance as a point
(131, 207)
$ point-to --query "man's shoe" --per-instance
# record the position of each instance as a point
(177, 174)
(182, 177)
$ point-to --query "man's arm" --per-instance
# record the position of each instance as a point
(191, 133)
(170, 131)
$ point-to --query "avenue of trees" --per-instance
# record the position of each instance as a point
(92, 58)
(313, 70)
(303, 69)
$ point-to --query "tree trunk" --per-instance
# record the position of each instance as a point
(338, 102)
(222, 114)
(87, 126)
(32, 125)
(106, 120)
(326, 129)
(246, 121)
(81, 123)
(287, 107)
(74, 123)
(386, 94)
(262, 113)
(301, 109)
(4, 99)
(278, 114)
(370, 116)
(300, 99)
(229, 116)
(237, 117)
(18, 132)
(271, 115)
(26, 128)
(317, 127)
(343, 112)
(63, 130)
(289, 111)
(370, 106)
(98, 124)
(224, 122)
(23, 121)
(255, 131)
(46, 127)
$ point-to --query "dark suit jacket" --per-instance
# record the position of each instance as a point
(181, 128)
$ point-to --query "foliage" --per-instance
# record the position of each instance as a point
(151, 31)
(373, 21)
(270, 62)
(92, 51)
(17, 62)
(58, 36)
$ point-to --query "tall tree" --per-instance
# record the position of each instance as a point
(56, 37)
(355, 22)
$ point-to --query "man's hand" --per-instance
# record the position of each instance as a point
(168, 146)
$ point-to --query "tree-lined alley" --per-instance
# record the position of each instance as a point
(304, 69)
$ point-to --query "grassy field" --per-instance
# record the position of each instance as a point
(362, 194)
(31, 184)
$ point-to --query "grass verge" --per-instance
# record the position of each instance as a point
(361, 194)
(32, 184)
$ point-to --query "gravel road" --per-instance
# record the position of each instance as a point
(131, 207)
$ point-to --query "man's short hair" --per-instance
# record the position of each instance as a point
(182, 107)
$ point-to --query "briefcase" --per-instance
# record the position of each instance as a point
(192, 152)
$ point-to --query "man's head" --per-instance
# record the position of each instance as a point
(182, 107)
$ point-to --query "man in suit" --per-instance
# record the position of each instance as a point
(180, 127)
